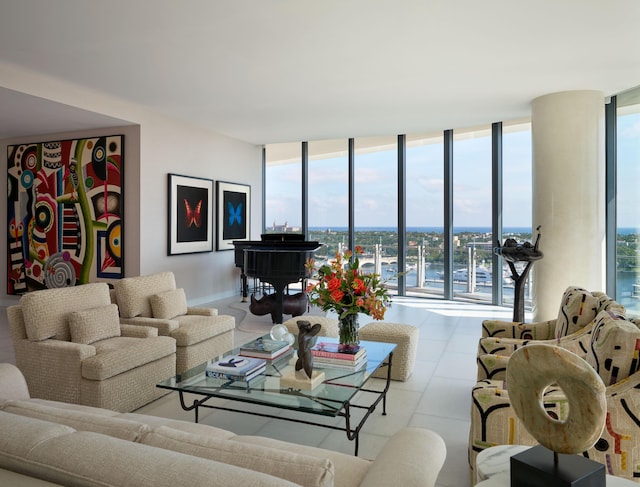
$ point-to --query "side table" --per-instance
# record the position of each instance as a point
(492, 468)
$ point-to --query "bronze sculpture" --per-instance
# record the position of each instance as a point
(306, 340)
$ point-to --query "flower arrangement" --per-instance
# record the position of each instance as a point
(341, 287)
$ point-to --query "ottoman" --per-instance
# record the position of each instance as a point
(329, 325)
(404, 336)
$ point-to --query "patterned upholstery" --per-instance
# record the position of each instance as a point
(118, 373)
(609, 343)
(200, 333)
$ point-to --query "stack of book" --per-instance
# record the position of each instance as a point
(326, 355)
(237, 368)
(265, 348)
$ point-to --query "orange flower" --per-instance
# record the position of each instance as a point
(333, 284)
(337, 295)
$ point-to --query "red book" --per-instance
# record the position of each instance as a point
(330, 350)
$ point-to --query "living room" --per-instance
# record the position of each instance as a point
(114, 71)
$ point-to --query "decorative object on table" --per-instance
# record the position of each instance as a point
(292, 304)
(531, 370)
(306, 339)
(190, 215)
(328, 355)
(233, 202)
(514, 252)
(281, 333)
(304, 377)
(64, 213)
(236, 367)
(265, 348)
(343, 288)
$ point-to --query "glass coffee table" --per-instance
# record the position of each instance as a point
(334, 397)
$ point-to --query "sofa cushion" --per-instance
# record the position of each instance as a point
(169, 304)
(577, 309)
(80, 420)
(46, 312)
(614, 348)
(90, 325)
(120, 354)
(298, 468)
(20, 434)
(351, 469)
(90, 459)
(132, 293)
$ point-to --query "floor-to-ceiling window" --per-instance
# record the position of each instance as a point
(628, 200)
(283, 188)
(473, 242)
(376, 204)
(328, 195)
(517, 181)
(425, 214)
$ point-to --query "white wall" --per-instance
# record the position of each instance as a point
(154, 147)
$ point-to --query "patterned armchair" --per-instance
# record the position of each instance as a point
(611, 345)
(578, 309)
(153, 300)
(71, 347)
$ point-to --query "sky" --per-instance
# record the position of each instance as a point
(376, 185)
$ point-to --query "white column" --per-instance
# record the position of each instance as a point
(568, 195)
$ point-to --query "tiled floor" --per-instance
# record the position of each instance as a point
(437, 396)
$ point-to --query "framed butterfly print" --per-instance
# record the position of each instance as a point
(233, 203)
(190, 215)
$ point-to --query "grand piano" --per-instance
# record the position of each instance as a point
(277, 259)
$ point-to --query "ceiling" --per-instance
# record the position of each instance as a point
(268, 71)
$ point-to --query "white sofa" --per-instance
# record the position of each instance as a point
(47, 443)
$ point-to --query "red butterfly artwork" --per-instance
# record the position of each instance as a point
(194, 216)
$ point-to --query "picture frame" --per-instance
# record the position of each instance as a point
(233, 202)
(190, 215)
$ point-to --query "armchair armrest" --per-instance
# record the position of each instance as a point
(413, 456)
(493, 367)
(543, 330)
(165, 327)
(202, 311)
(137, 331)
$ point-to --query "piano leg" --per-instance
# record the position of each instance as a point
(245, 287)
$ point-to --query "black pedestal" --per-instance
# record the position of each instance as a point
(535, 467)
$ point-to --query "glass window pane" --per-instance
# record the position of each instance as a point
(376, 203)
(517, 180)
(628, 201)
(425, 215)
(283, 188)
(328, 195)
(473, 243)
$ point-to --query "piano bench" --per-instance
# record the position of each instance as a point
(406, 339)
(329, 325)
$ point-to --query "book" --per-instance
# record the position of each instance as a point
(338, 361)
(237, 366)
(346, 365)
(264, 348)
(238, 378)
(330, 350)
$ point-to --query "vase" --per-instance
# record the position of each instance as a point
(348, 329)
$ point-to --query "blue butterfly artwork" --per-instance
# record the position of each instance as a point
(235, 214)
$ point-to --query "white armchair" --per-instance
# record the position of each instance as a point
(154, 301)
(71, 347)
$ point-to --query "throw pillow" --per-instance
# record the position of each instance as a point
(169, 304)
(613, 352)
(304, 470)
(577, 309)
(90, 325)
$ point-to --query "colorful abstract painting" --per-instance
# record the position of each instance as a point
(65, 213)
